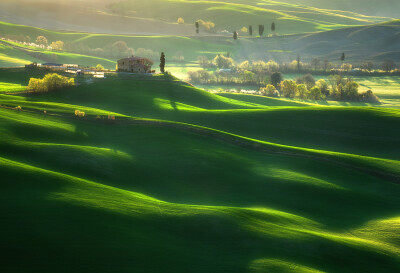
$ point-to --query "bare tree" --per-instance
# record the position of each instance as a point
(315, 62)
(327, 65)
(298, 63)
(368, 65)
(388, 65)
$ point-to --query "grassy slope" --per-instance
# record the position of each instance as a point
(291, 18)
(16, 55)
(223, 229)
(334, 128)
(329, 45)
(163, 198)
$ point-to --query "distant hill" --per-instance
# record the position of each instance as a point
(373, 42)
(388, 8)
(160, 16)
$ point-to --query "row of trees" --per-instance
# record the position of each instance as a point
(244, 77)
(336, 88)
(116, 49)
(249, 30)
(316, 65)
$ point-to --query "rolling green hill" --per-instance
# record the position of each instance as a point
(383, 43)
(157, 17)
(187, 181)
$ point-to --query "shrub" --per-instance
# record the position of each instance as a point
(368, 96)
(302, 91)
(181, 21)
(323, 85)
(315, 93)
(350, 91)
(269, 91)
(223, 62)
(207, 25)
(276, 78)
(308, 80)
(99, 67)
(50, 82)
(41, 40)
(59, 45)
(79, 114)
(272, 66)
(288, 88)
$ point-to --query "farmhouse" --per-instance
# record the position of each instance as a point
(135, 65)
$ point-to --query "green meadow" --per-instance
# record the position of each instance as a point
(188, 181)
(159, 175)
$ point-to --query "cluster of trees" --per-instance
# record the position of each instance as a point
(118, 49)
(207, 26)
(50, 82)
(57, 45)
(223, 77)
(336, 88)
(315, 66)
(41, 41)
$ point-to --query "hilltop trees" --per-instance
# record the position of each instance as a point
(162, 62)
(206, 25)
(50, 82)
(59, 45)
(41, 40)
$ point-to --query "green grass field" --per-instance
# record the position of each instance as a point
(291, 18)
(189, 181)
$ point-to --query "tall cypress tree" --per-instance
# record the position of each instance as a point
(162, 62)
(261, 30)
(273, 27)
(197, 27)
(251, 30)
(235, 35)
(298, 63)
